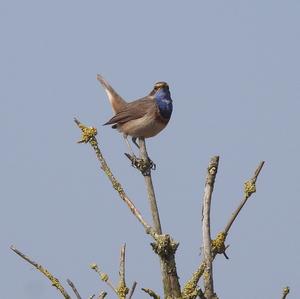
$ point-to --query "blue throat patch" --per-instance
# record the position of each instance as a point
(164, 102)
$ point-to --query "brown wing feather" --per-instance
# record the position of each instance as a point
(133, 110)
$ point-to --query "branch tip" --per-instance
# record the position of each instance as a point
(122, 289)
(151, 293)
(102, 295)
(249, 189)
(208, 244)
(54, 281)
(285, 292)
(132, 290)
(88, 133)
(71, 284)
(103, 276)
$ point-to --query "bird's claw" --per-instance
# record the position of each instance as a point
(143, 166)
(152, 164)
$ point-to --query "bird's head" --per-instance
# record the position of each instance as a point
(159, 86)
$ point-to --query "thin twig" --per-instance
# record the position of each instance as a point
(71, 284)
(132, 290)
(122, 265)
(250, 188)
(102, 295)
(151, 293)
(55, 282)
(89, 136)
(207, 250)
(104, 277)
(285, 292)
(122, 289)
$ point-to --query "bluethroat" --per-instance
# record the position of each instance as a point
(144, 117)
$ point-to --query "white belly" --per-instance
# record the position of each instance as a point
(147, 126)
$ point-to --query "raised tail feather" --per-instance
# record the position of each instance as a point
(116, 101)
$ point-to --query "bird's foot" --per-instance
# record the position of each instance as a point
(143, 166)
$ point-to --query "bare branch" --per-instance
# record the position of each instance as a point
(151, 293)
(132, 290)
(71, 284)
(102, 295)
(167, 263)
(285, 292)
(150, 189)
(89, 136)
(207, 250)
(122, 265)
(250, 188)
(55, 282)
(104, 277)
(122, 289)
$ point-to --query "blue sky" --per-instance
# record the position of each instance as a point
(233, 68)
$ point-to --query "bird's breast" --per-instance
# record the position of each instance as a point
(147, 126)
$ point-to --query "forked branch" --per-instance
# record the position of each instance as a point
(190, 288)
(164, 243)
(89, 136)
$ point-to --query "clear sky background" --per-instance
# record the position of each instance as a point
(234, 72)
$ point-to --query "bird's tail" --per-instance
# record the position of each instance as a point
(116, 101)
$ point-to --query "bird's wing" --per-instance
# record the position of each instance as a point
(134, 110)
(116, 101)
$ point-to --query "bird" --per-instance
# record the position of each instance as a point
(142, 118)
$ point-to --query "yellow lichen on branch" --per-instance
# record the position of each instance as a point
(54, 281)
(218, 244)
(103, 276)
(286, 291)
(87, 132)
(249, 188)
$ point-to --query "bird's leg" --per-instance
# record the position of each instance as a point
(135, 161)
(129, 146)
(134, 141)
